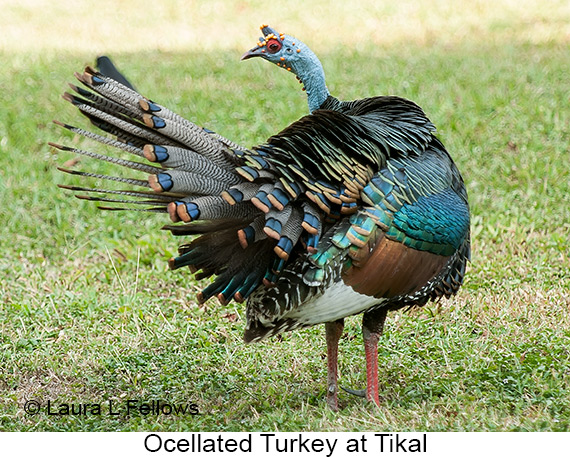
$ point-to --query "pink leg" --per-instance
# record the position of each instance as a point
(371, 352)
(333, 334)
(372, 326)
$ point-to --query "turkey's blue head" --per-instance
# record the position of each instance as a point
(295, 56)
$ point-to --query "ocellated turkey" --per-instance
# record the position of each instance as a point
(354, 208)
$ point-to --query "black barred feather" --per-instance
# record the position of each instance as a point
(131, 181)
(202, 227)
(102, 139)
(163, 197)
(108, 68)
(124, 163)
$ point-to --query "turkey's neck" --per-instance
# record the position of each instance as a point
(311, 73)
(316, 89)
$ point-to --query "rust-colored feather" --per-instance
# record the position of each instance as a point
(392, 269)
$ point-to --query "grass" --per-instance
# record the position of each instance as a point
(89, 312)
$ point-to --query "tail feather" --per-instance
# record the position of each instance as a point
(112, 123)
(241, 274)
(278, 196)
(102, 103)
(211, 208)
(166, 196)
(243, 191)
(188, 183)
(120, 200)
(124, 163)
(188, 160)
(156, 116)
(109, 88)
(275, 220)
(202, 227)
(252, 233)
(132, 181)
(106, 67)
(131, 209)
(119, 134)
(188, 134)
(290, 235)
(102, 139)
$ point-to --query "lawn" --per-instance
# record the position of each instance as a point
(90, 313)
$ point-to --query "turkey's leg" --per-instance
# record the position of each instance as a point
(333, 334)
(372, 326)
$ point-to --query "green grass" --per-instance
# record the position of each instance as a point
(90, 313)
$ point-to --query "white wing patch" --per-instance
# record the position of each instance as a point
(338, 301)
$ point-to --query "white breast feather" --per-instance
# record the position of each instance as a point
(337, 302)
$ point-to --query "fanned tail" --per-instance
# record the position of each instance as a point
(250, 220)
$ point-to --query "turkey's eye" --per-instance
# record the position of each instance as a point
(273, 46)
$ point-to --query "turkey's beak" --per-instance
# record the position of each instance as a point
(254, 52)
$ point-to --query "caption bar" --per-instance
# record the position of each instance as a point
(271, 443)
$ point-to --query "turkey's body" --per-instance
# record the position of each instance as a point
(405, 243)
(355, 208)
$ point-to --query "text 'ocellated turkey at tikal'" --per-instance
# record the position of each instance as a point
(355, 208)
